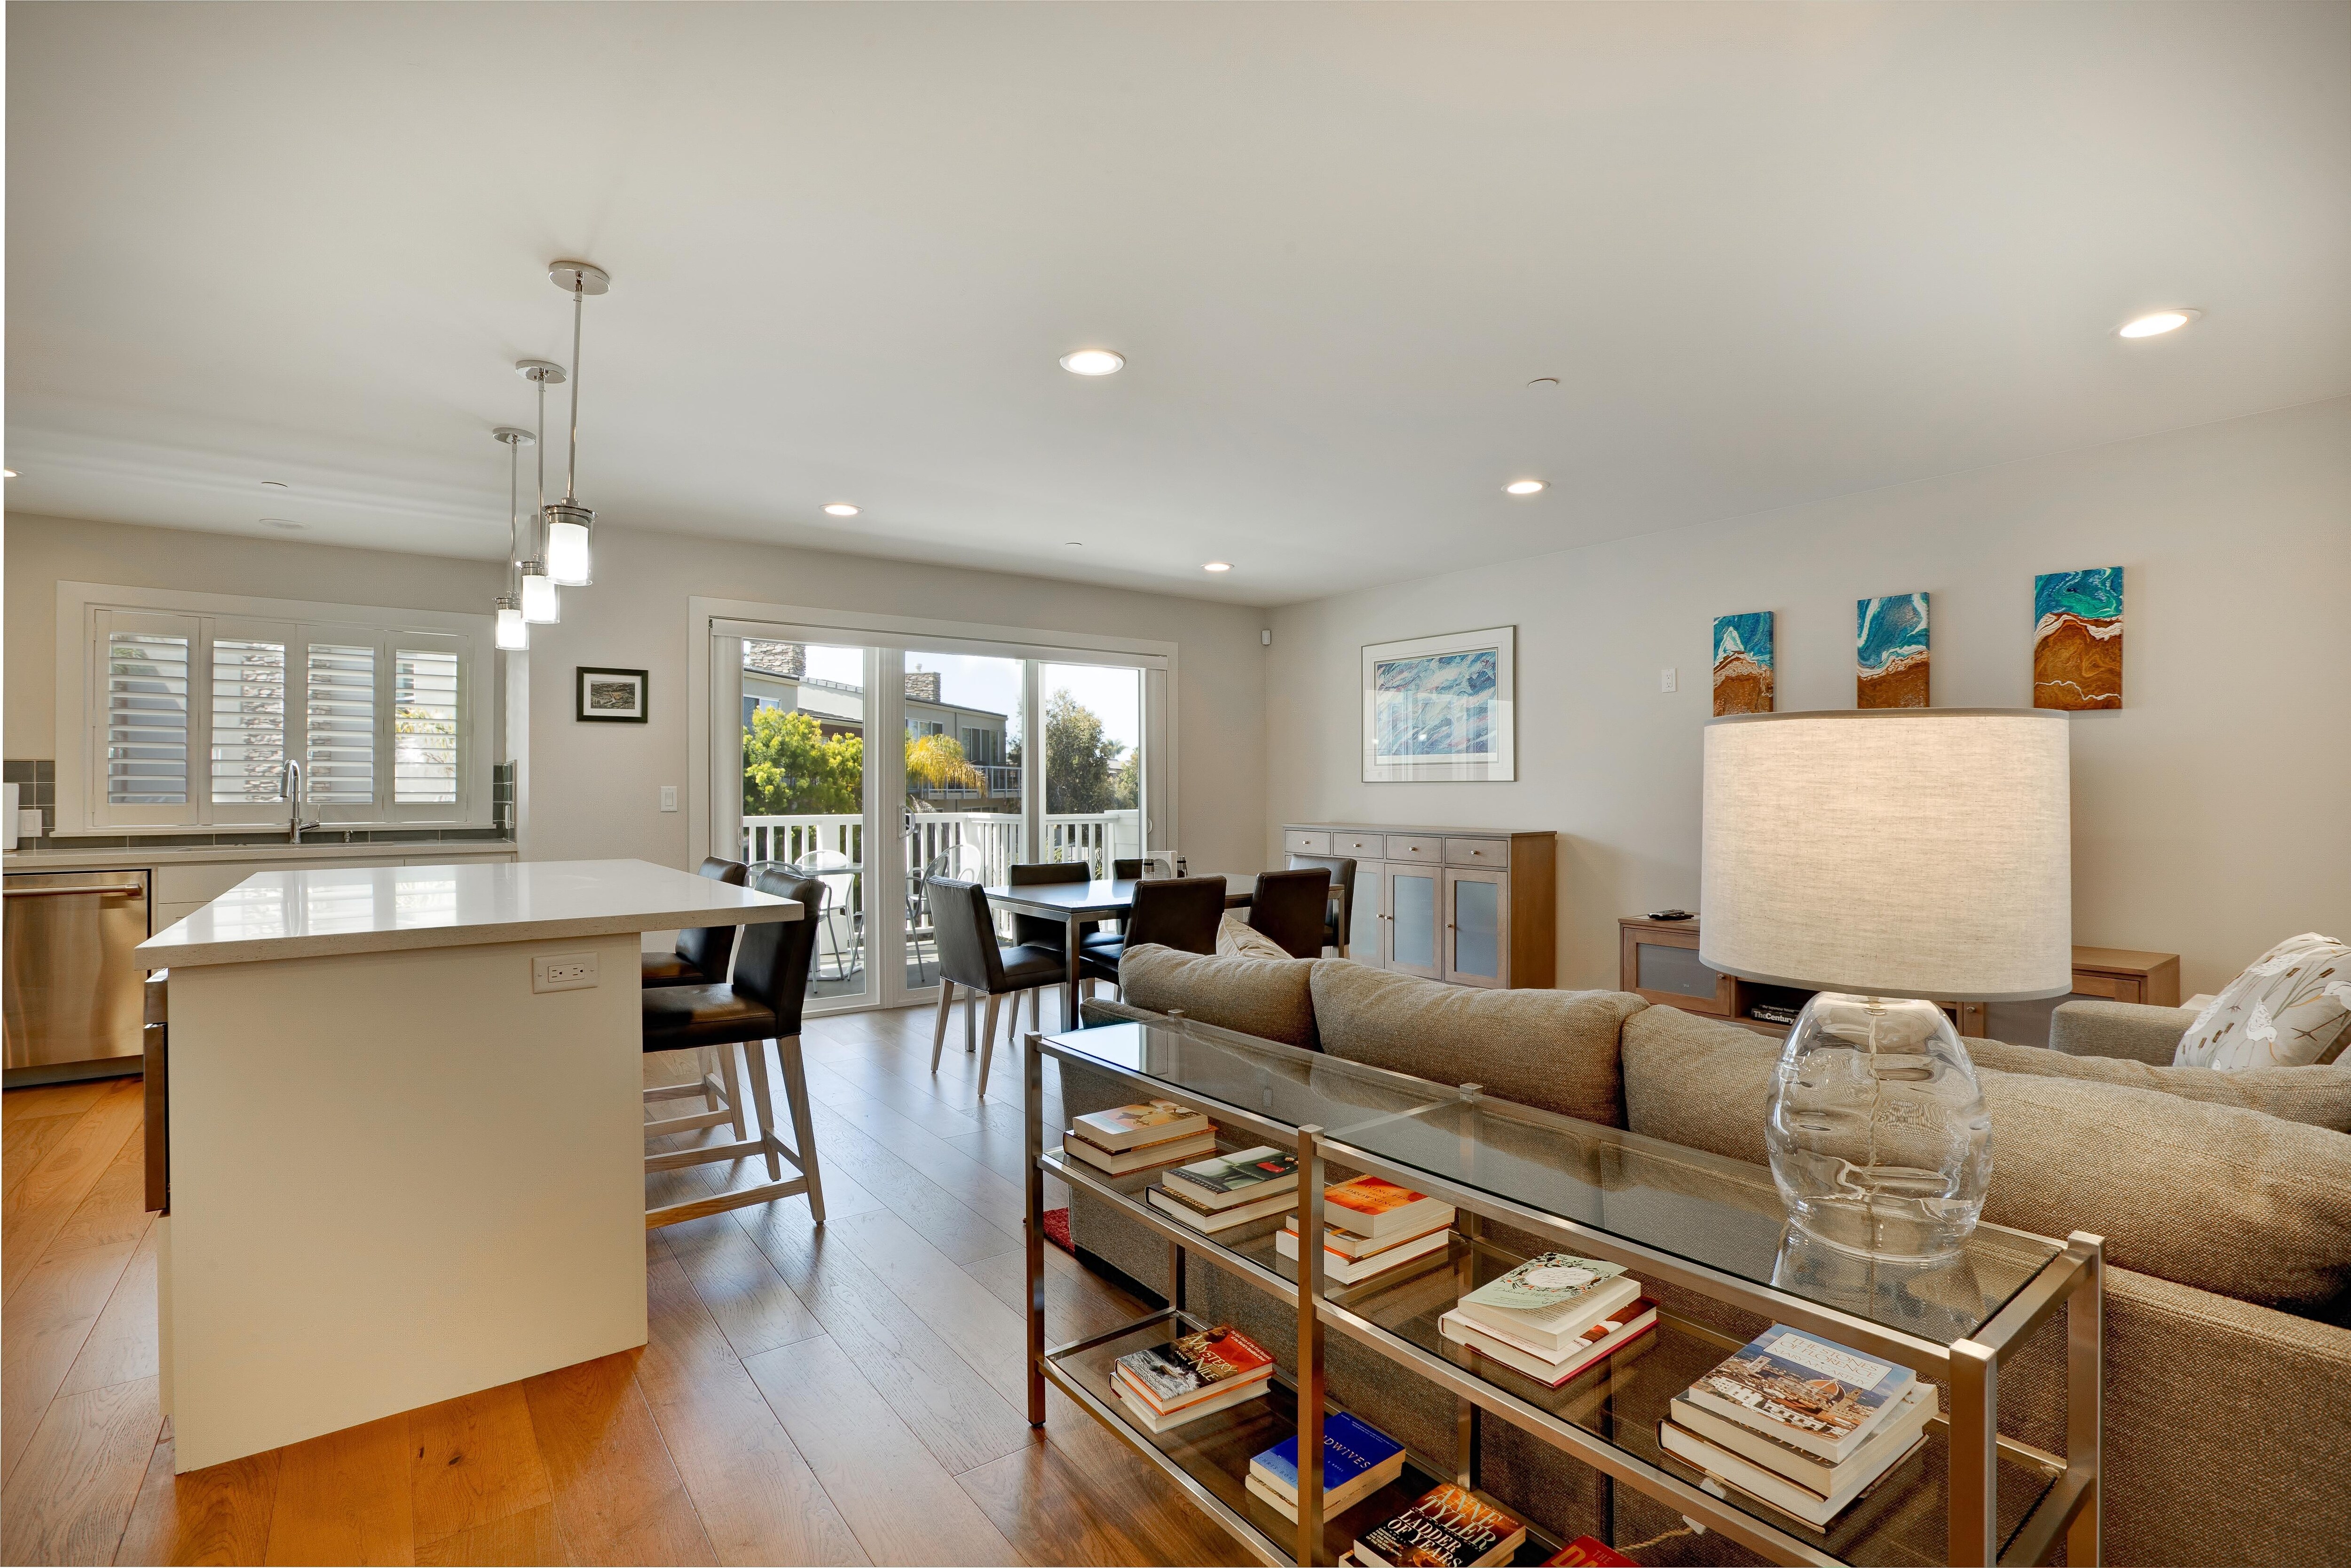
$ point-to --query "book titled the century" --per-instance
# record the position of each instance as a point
(1803, 1390)
(1447, 1527)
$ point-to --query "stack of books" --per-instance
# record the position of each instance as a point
(1446, 1528)
(1357, 1460)
(1800, 1423)
(1371, 1227)
(1186, 1378)
(1218, 1194)
(1136, 1137)
(1553, 1316)
(1588, 1552)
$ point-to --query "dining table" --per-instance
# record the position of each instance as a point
(1075, 903)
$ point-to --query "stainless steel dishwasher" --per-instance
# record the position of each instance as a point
(74, 1003)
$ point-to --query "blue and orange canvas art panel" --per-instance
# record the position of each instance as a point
(1890, 650)
(1742, 663)
(2077, 639)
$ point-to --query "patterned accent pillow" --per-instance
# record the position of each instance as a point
(2291, 1009)
(1236, 938)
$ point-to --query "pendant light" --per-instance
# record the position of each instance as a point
(542, 605)
(568, 522)
(513, 633)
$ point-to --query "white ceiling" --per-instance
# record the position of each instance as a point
(1771, 253)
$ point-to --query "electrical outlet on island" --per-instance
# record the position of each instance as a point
(563, 972)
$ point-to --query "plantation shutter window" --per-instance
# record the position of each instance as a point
(339, 706)
(146, 725)
(249, 721)
(424, 709)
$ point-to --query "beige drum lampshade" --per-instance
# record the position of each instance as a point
(1892, 853)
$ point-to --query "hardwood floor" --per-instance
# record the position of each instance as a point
(847, 1394)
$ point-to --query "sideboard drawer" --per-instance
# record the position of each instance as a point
(1477, 851)
(1298, 841)
(1401, 848)
(1359, 846)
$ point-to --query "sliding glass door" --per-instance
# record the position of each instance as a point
(965, 811)
(1094, 763)
(805, 796)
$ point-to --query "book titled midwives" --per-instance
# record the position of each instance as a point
(1357, 1460)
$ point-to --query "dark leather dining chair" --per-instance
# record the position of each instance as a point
(761, 1003)
(1127, 871)
(701, 956)
(1293, 909)
(1182, 912)
(970, 957)
(1342, 913)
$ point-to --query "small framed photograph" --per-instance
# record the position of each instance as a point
(609, 696)
(1442, 708)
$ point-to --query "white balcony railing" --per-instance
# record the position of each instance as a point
(982, 845)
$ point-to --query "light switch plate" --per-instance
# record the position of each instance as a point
(1668, 679)
(563, 972)
(669, 796)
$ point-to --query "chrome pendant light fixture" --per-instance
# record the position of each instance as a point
(513, 633)
(568, 523)
(542, 604)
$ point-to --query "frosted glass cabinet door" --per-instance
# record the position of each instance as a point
(1477, 928)
(1364, 943)
(1412, 901)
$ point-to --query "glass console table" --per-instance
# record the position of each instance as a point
(1672, 1216)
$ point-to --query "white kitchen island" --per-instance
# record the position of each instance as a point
(404, 1168)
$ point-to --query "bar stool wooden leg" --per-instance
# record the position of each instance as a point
(754, 1054)
(734, 1089)
(706, 1064)
(939, 1029)
(796, 1097)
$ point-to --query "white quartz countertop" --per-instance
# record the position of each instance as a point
(134, 857)
(379, 909)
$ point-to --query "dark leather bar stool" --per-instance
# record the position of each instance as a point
(970, 956)
(1182, 912)
(700, 958)
(760, 1004)
(1341, 917)
(1293, 908)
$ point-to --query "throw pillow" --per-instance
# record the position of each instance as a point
(1237, 939)
(2291, 1009)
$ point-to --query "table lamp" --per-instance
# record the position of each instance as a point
(1891, 859)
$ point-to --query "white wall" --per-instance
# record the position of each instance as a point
(40, 552)
(2209, 812)
(593, 789)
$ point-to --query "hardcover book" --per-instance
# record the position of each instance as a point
(1583, 1552)
(1236, 1177)
(1874, 1461)
(1212, 1220)
(1348, 1245)
(1184, 1370)
(1125, 1127)
(1139, 1156)
(1139, 1412)
(1600, 1340)
(1803, 1390)
(1446, 1528)
(1548, 1302)
(1822, 1476)
(1354, 1271)
(1368, 1206)
(1357, 1460)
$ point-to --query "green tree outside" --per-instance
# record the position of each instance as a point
(791, 769)
(1085, 770)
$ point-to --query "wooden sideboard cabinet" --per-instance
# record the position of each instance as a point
(1471, 906)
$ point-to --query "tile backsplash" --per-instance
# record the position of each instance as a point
(36, 782)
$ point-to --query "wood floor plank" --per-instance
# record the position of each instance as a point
(525, 1537)
(37, 1207)
(51, 1100)
(618, 1497)
(72, 1492)
(942, 1218)
(122, 1344)
(740, 1288)
(980, 1329)
(1079, 1303)
(757, 1499)
(1056, 1511)
(344, 1497)
(852, 1439)
(42, 1330)
(953, 1409)
(116, 1209)
(218, 1514)
(472, 1461)
(28, 1140)
(991, 1196)
(827, 1083)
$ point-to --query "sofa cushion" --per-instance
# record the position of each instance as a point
(2291, 1008)
(1237, 939)
(2217, 1197)
(1552, 1049)
(2316, 1096)
(1264, 997)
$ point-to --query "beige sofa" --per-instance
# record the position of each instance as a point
(2225, 1200)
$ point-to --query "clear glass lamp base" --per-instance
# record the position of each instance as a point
(1879, 1141)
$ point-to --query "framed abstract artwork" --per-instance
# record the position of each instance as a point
(1442, 708)
(2077, 639)
(609, 696)
(1742, 663)
(1889, 643)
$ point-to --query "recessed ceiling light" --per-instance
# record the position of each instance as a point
(1544, 383)
(1073, 544)
(1217, 566)
(288, 523)
(840, 509)
(1093, 362)
(1526, 487)
(273, 484)
(2156, 323)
